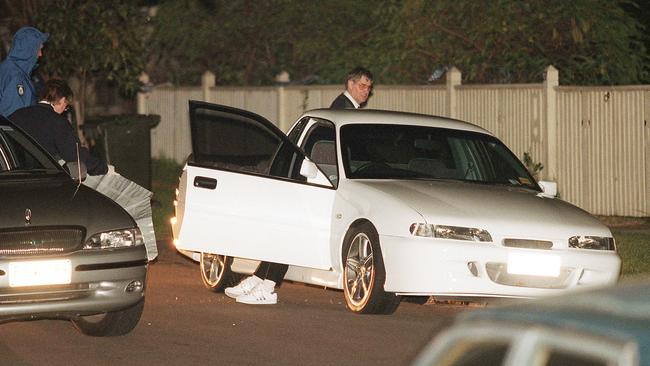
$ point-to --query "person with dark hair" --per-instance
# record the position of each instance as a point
(16, 87)
(358, 88)
(44, 123)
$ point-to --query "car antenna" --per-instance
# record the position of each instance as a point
(78, 171)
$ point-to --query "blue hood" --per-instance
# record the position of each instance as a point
(24, 48)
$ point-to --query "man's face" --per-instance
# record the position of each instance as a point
(60, 105)
(360, 89)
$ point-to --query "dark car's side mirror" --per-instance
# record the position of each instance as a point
(76, 170)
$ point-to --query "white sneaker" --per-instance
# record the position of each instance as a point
(261, 294)
(244, 287)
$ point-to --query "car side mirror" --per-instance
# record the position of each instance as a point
(549, 189)
(76, 170)
(309, 170)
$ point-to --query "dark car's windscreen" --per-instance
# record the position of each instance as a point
(381, 151)
(20, 155)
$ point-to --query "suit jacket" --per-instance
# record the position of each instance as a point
(56, 135)
(342, 102)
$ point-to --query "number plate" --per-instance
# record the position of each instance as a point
(534, 264)
(38, 273)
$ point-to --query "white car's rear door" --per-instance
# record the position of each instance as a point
(245, 196)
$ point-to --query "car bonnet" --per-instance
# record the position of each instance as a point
(506, 211)
(58, 201)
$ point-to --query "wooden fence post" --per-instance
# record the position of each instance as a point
(142, 94)
(453, 80)
(208, 80)
(551, 81)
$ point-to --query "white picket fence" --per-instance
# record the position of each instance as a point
(593, 141)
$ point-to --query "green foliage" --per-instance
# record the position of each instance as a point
(164, 177)
(589, 41)
(249, 45)
(94, 40)
(634, 249)
(534, 168)
(401, 41)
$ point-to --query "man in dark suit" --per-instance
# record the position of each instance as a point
(45, 124)
(358, 88)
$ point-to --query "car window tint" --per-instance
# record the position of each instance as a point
(475, 352)
(18, 153)
(383, 151)
(296, 131)
(286, 163)
(320, 146)
(229, 141)
(563, 358)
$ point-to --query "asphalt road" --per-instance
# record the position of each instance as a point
(185, 324)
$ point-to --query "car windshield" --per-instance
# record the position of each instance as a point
(20, 156)
(386, 151)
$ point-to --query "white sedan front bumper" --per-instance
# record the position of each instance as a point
(423, 266)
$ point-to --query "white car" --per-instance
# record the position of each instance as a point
(380, 204)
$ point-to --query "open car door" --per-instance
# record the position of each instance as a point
(245, 196)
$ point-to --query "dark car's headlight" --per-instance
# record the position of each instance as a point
(450, 232)
(592, 242)
(115, 239)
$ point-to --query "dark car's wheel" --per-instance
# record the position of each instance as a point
(364, 274)
(115, 323)
(216, 273)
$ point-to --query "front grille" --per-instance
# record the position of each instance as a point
(527, 243)
(40, 241)
(44, 293)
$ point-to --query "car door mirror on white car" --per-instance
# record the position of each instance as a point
(549, 189)
(309, 170)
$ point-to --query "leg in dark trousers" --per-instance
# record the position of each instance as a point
(271, 271)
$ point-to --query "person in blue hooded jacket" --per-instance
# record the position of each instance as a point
(16, 88)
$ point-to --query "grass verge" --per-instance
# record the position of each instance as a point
(164, 173)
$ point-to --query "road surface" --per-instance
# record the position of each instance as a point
(185, 324)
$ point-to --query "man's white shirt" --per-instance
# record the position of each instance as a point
(354, 102)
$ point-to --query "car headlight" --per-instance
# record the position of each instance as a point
(450, 232)
(115, 239)
(592, 242)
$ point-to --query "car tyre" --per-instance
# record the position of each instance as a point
(114, 323)
(364, 273)
(216, 273)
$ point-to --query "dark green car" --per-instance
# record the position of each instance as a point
(609, 326)
(66, 251)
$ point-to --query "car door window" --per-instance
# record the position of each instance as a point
(563, 358)
(231, 142)
(235, 140)
(320, 146)
(296, 131)
(469, 352)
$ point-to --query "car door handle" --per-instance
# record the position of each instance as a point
(205, 182)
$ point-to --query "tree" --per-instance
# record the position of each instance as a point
(249, 45)
(590, 41)
(15, 14)
(401, 41)
(92, 40)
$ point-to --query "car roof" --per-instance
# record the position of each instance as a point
(622, 310)
(348, 116)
